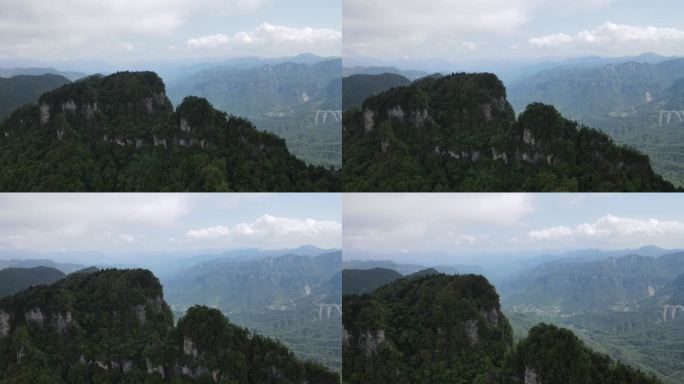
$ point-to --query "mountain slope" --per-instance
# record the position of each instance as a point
(357, 88)
(626, 307)
(555, 355)
(438, 329)
(458, 133)
(297, 101)
(292, 297)
(577, 286)
(636, 103)
(358, 281)
(450, 329)
(13, 280)
(19, 90)
(120, 133)
(113, 326)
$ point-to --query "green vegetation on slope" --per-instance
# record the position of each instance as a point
(458, 133)
(437, 329)
(450, 329)
(555, 355)
(293, 298)
(120, 133)
(19, 90)
(624, 100)
(288, 99)
(113, 326)
(624, 307)
(13, 280)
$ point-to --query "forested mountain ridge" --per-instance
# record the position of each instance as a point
(113, 326)
(637, 103)
(121, 133)
(459, 133)
(298, 101)
(444, 329)
(628, 307)
(295, 298)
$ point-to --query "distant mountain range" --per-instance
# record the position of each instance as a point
(13, 280)
(298, 100)
(21, 89)
(295, 298)
(37, 71)
(379, 70)
(626, 306)
(459, 133)
(637, 103)
(357, 88)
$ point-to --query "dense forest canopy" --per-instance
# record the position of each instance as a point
(459, 133)
(121, 133)
(113, 326)
(450, 329)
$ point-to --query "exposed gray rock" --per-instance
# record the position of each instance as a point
(189, 347)
(531, 376)
(396, 112)
(44, 113)
(345, 337)
(492, 317)
(151, 368)
(368, 120)
(140, 313)
(35, 315)
(127, 366)
(487, 111)
(158, 141)
(184, 126)
(4, 323)
(69, 106)
(372, 340)
(148, 105)
(385, 144)
(470, 327)
(61, 321)
(419, 118)
(89, 110)
(528, 137)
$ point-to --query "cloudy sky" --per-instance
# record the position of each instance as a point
(467, 224)
(121, 223)
(464, 30)
(129, 30)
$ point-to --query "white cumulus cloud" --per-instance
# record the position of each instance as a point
(610, 34)
(269, 36)
(276, 230)
(611, 228)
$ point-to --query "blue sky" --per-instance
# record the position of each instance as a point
(133, 30)
(114, 223)
(482, 223)
(461, 30)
